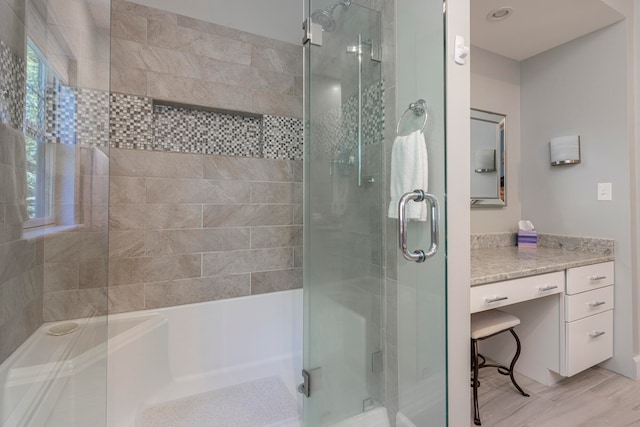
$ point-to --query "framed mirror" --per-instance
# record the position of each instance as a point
(488, 154)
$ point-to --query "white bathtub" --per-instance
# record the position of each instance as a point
(153, 357)
(203, 347)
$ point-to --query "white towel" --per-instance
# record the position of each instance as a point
(409, 171)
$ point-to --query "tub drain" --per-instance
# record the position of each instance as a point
(63, 329)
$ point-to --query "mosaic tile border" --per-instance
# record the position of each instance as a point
(337, 128)
(283, 138)
(139, 124)
(13, 79)
(77, 116)
(131, 124)
(191, 130)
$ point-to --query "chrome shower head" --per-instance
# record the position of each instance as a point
(325, 17)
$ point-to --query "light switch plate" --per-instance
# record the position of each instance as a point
(604, 191)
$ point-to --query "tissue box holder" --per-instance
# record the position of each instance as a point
(527, 239)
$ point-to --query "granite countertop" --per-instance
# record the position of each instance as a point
(505, 263)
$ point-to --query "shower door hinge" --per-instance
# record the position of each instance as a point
(312, 33)
(305, 387)
(312, 376)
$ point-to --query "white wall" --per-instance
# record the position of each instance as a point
(581, 88)
(458, 220)
(495, 87)
(277, 19)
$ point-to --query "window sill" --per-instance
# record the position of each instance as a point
(37, 232)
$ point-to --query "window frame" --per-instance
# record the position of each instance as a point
(44, 191)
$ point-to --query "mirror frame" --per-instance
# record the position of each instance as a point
(501, 162)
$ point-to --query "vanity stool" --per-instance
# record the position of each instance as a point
(486, 324)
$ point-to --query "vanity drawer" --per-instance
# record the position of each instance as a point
(588, 303)
(589, 341)
(498, 294)
(581, 279)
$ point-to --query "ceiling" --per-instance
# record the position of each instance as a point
(536, 25)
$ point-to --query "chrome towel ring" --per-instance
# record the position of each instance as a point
(418, 108)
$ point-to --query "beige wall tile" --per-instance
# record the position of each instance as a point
(75, 304)
(246, 215)
(126, 244)
(128, 26)
(298, 214)
(153, 164)
(12, 30)
(277, 60)
(169, 242)
(128, 80)
(93, 244)
(16, 258)
(16, 330)
(140, 10)
(93, 273)
(128, 271)
(298, 171)
(19, 292)
(125, 298)
(275, 237)
(138, 217)
(196, 191)
(200, 93)
(192, 41)
(61, 276)
(273, 281)
(233, 262)
(219, 71)
(246, 169)
(127, 53)
(273, 103)
(276, 192)
(297, 257)
(124, 189)
(196, 290)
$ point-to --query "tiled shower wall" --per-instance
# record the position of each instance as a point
(169, 57)
(205, 160)
(20, 259)
(188, 228)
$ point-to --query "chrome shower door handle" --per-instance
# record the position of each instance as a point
(418, 196)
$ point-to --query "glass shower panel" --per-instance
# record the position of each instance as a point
(344, 121)
(422, 287)
(54, 114)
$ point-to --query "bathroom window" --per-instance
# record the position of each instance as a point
(39, 159)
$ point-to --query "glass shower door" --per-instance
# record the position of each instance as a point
(343, 221)
(375, 322)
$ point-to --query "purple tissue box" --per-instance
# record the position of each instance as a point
(527, 239)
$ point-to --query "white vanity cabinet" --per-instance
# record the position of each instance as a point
(588, 317)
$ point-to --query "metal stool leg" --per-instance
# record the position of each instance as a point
(513, 363)
(476, 367)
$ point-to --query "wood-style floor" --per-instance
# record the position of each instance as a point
(594, 398)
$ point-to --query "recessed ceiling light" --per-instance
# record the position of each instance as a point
(500, 14)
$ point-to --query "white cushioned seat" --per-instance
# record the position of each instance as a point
(486, 323)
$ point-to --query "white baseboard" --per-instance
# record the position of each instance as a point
(636, 360)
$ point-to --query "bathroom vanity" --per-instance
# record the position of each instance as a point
(564, 299)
